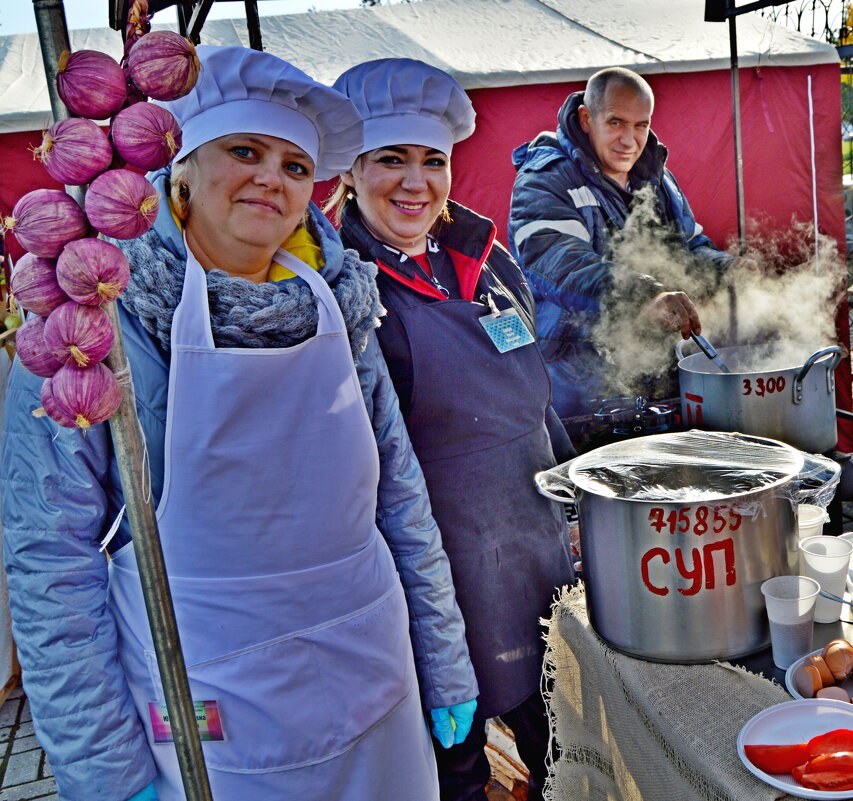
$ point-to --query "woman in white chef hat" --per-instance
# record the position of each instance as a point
(458, 339)
(276, 447)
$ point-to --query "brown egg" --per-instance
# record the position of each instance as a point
(838, 656)
(825, 673)
(807, 680)
(835, 692)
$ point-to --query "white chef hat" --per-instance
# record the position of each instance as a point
(240, 90)
(408, 102)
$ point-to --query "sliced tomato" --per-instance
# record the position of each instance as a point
(828, 772)
(777, 758)
(831, 742)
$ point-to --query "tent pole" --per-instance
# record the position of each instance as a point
(129, 447)
(741, 213)
(814, 180)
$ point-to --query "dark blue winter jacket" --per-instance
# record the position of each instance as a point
(563, 214)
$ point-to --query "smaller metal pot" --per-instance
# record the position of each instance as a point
(783, 391)
(634, 416)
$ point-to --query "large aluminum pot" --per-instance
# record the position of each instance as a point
(677, 533)
(782, 391)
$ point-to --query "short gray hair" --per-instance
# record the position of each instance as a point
(596, 86)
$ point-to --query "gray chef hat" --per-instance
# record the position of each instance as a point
(408, 102)
(240, 90)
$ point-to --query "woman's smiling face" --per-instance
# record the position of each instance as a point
(248, 191)
(401, 190)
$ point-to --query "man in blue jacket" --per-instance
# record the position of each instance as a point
(574, 190)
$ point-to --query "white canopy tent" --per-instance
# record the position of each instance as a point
(483, 43)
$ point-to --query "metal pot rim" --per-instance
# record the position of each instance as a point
(699, 364)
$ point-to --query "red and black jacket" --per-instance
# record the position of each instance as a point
(481, 264)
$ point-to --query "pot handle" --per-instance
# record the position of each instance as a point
(542, 482)
(679, 348)
(833, 351)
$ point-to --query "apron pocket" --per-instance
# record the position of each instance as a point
(309, 696)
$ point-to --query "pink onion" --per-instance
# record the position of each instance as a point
(85, 397)
(78, 334)
(164, 65)
(35, 285)
(45, 220)
(92, 271)
(133, 93)
(33, 351)
(90, 83)
(50, 408)
(122, 204)
(146, 136)
(74, 151)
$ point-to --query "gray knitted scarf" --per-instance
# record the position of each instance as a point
(243, 314)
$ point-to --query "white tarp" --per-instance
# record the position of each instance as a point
(484, 43)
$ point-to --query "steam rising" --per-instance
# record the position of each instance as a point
(784, 301)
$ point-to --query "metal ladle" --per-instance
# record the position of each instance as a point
(709, 350)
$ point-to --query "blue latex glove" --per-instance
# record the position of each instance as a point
(145, 794)
(451, 724)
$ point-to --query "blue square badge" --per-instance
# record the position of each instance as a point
(506, 330)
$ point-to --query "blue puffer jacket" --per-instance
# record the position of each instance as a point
(564, 210)
(61, 492)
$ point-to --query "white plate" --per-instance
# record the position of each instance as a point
(847, 684)
(795, 722)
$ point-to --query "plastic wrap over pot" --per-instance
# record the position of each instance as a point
(818, 480)
(685, 466)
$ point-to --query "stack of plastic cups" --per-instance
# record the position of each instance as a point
(810, 520)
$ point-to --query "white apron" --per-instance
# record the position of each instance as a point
(290, 611)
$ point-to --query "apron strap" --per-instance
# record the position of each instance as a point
(191, 321)
(331, 320)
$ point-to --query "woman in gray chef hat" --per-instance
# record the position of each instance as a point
(289, 498)
(458, 339)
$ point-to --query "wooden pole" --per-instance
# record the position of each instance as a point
(741, 212)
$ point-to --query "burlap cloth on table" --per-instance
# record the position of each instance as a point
(629, 730)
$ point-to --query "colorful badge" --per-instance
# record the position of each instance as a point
(206, 715)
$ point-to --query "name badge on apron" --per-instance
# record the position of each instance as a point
(505, 328)
(206, 716)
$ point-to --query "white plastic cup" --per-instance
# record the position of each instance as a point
(810, 520)
(790, 602)
(827, 559)
(849, 536)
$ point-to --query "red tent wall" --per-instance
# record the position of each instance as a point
(692, 117)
